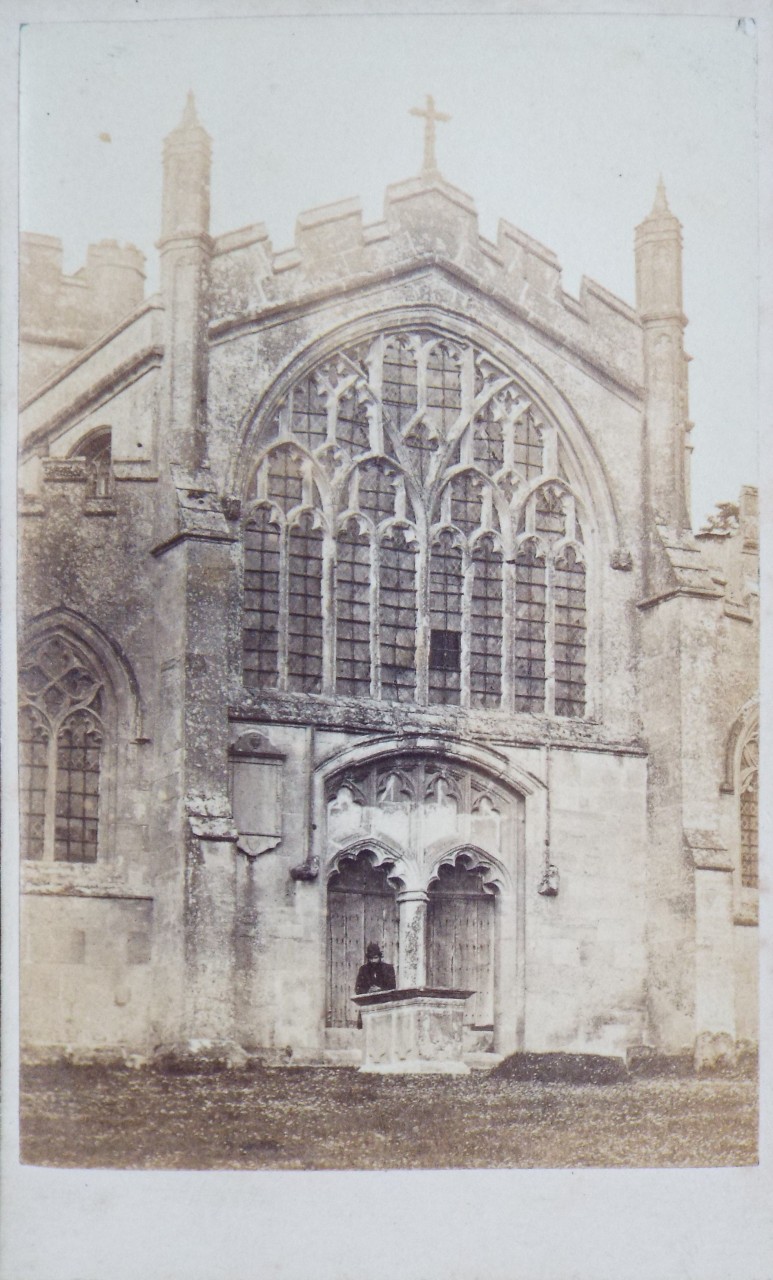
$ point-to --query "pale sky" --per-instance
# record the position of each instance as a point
(560, 124)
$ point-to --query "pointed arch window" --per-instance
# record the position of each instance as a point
(61, 740)
(435, 554)
(748, 786)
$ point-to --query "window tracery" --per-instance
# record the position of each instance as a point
(748, 785)
(416, 477)
(61, 736)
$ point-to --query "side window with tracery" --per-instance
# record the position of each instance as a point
(412, 534)
(748, 787)
(61, 742)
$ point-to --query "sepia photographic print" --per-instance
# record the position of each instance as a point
(387, 609)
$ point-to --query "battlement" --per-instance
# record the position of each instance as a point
(426, 221)
(61, 315)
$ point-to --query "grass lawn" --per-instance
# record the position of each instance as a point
(333, 1118)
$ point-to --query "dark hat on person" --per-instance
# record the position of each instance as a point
(372, 949)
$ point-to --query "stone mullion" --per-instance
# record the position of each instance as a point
(328, 613)
(375, 617)
(468, 570)
(49, 822)
(284, 605)
(550, 630)
(422, 618)
(508, 634)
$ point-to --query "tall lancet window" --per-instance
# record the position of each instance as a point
(352, 606)
(304, 606)
(570, 633)
(486, 629)
(261, 599)
(413, 535)
(61, 735)
(397, 615)
(445, 619)
(530, 629)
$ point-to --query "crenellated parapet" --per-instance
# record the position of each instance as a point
(61, 315)
(427, 223)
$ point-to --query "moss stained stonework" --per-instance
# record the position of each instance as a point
(377, 551)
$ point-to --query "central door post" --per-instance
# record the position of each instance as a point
(412, 964)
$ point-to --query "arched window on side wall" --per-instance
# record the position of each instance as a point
(748, 801)
(61, 737)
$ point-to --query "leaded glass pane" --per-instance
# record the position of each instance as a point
(399, 385)
(569, 642)
(376, 489)
(304, 594)
(445, 620)
(33, 782)
(78, 752)
(444, 385)
(261, 601)
(352, 430)
(352, 603)
(284, 484)
(397, 616)
(309, 413)
(486, 626)
(530, 637)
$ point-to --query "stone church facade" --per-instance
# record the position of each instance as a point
(359, 602)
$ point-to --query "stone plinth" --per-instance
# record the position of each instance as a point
(415, 1029)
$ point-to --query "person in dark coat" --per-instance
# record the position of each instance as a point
(375, 974)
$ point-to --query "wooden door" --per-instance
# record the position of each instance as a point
(361, 908)
(461, 940)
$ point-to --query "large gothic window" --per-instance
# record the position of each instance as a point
(61, 735)
(410, 535)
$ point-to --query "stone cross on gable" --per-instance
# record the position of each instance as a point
(431, 116)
